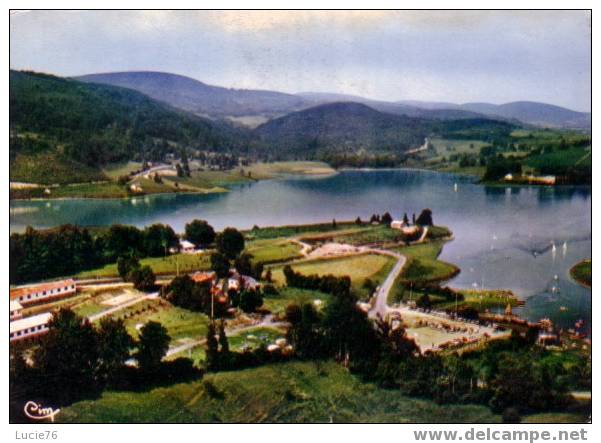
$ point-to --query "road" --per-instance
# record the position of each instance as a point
(381, 304)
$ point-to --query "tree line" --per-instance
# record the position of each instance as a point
(76, 359)
(69, 249)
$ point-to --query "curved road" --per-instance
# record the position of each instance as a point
(380, 306)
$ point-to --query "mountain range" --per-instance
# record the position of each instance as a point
(218, 102)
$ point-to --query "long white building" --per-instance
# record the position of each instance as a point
(29, 327)
(43, 291)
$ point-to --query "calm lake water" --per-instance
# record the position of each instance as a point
(504, 236)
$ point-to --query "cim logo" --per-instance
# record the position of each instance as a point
(35, 411)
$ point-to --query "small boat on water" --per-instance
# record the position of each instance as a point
(455, 188)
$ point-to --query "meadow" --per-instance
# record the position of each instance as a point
(160, 265)
(359, 267)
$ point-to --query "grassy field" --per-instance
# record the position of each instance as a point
(117, 170)
(160, 265)
(583, 272)
(561, 158)
(358, 267)
(447, 147)
(423, 264)
(273, 250)
(296, 230)
(276, 169)
(297, 392)
(51, 168)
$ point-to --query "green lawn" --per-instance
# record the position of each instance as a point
(273, 250)
(297, 392)
(583, 272)
(423, 264)
(180, 323)
(275, 169)
(560, 158)
(297, 230)
(160, 265)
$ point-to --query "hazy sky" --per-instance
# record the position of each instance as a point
(421, 55)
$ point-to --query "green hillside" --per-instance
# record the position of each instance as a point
(278, 393)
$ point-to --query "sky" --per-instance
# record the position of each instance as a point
(451, 56)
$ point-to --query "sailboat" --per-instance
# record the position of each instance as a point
(455, 187)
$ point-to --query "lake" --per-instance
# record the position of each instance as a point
(519, 238)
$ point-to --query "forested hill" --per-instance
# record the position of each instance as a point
(342, 127)
(198, 97)
(355, 128)
(69, 122)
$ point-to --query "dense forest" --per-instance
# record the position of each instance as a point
(92, 125)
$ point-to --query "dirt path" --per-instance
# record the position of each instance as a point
(127, 304)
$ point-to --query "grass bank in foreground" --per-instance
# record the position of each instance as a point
(296, 392)
(583, 273)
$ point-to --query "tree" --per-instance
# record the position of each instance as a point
(369, 285)
(152, 345)
(334, 223)
(121, 240)
(244, 264)
(67, 358)
(387, 219)
(511, 415)
(142, 278)
(268, 276)
(180, 171)
(220, 264)
(212, 353)
(358, 221)
(158, 238)
(425, 218)
(230, 242)
(405, 219)
(127, 264)
(223, 343)
(424, 302)
(114, 346)
(250, 300)
(200, 232)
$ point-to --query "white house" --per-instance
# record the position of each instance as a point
(187, 247)
(43, 291)
(397, 224)
(16, 310)
(29, 327)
